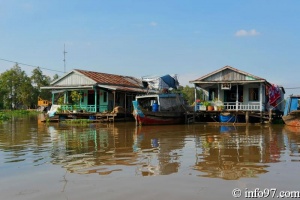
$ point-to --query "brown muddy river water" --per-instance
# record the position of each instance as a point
(122, 161)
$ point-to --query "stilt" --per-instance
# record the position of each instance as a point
(270, 116)
(247, 117)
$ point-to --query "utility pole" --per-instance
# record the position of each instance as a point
(64, 59)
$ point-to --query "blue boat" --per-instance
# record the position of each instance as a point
(291, 116)
(227, 117)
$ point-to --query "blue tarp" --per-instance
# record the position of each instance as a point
(169, 80)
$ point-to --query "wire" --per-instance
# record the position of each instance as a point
(31, 65)
(292, 88)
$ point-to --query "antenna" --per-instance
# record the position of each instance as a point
(64, 59)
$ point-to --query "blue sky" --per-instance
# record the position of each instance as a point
(190, 38)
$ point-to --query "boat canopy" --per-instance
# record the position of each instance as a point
(291, 104)
(161, 82)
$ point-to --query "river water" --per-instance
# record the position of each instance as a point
(122, 161)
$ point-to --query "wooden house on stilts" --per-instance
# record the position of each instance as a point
(238, 93)
(99, 92)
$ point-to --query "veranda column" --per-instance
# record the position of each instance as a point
(52, 98)
(195, 90)
(65, 97)
(95, 99)
(218, 91)
(260, 102)
(125, 106)
(237, 97)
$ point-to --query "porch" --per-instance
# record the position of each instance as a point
(235, 106)
(86, 108)
(240, 106)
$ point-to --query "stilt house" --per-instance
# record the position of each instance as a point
(238, 90)
(100, 92)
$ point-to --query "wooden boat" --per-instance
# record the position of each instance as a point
(158, 109)
(291, 115)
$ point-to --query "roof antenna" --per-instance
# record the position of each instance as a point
(64, 59)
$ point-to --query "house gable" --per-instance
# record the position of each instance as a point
(227, 74)
(73, 79)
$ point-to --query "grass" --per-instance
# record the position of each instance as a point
(7, 114)
(78, 121)
(4, 116)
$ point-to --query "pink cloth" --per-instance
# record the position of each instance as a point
(274, 94)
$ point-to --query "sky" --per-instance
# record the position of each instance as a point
(190, 38)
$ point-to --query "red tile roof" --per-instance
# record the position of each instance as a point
(110, 79)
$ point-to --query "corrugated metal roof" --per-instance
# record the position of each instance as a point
(224, 74)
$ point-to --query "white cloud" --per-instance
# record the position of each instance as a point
(153, 24)
(244, 33)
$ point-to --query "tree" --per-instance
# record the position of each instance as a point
(39, 80)
(189, 93)
(15, 86)
(55, 77)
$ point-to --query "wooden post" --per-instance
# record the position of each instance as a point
(125, 106)
(195, 109)
(114, 92)
(247, 117)
(237, 97)
(95, 99)
(270, 116)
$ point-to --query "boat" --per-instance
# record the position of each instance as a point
(227, 117)
(291, 116)
(159, 109)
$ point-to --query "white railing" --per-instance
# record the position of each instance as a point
(253, 106)
(87, 108)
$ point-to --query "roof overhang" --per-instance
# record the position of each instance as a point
(207, 84)
(75, 87)
(126, 89)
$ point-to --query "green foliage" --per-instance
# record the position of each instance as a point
(206, 103)
(4, 116)
(80, 122)
(39, 80)
(189, 93)
(15, 88)
(61, 100)
(76, 96)
(18, 91)
(55, 77)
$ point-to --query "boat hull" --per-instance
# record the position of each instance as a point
(292, 119)
(158, 120)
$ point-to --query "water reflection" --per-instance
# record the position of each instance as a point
(236, 152)
(226, 152)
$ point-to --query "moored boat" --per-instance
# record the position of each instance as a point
(291, 115)
(156, 109)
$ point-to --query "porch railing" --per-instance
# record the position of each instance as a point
(253, 106)
(87, 108)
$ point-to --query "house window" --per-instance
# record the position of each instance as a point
(225, 86)
(253, 94)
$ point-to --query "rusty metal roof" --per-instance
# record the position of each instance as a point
(111, 79)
